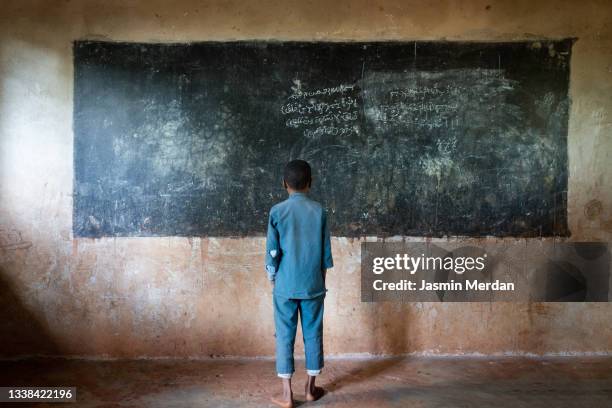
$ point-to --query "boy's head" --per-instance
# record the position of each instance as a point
(297, 175)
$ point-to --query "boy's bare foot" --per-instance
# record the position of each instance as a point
(284, 400)
(313, 392)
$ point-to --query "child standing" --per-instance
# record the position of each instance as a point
(298, 254)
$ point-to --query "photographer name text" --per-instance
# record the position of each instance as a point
(412, 264)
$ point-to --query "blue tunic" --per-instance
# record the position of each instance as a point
(298, 247)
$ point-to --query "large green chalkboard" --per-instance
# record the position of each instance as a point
(406, 138)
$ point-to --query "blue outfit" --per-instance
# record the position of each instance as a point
(298, 249)
(286, 320)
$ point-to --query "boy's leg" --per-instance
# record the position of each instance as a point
(311, 311)
(285, 323)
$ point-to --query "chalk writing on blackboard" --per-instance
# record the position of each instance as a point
(323, 111)
(426, 100)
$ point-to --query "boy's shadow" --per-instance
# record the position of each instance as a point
(389, 323)
(367, 370)
(300, 400)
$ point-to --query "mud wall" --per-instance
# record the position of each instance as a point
(199, 297)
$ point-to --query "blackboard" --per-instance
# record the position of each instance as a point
(405, 138)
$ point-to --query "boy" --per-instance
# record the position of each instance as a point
(298, 254)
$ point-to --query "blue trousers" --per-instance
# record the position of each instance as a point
(286, 319)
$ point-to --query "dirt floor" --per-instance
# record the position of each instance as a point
(398, 382)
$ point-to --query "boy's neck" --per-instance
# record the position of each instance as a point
(302, 191)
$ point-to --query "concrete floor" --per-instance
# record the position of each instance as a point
(407, 382)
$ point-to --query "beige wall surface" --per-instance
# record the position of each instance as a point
(199, 297)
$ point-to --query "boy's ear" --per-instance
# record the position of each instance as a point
(285, 184)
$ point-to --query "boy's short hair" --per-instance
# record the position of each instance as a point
(298, 174)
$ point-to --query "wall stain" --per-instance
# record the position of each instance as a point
(593, 209)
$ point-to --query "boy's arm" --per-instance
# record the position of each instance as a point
(327, 261)
(272, 249)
